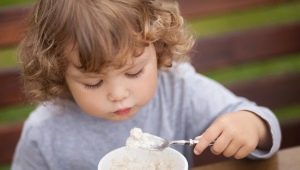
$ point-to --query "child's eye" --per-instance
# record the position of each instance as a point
(94, 86)
(136, 74)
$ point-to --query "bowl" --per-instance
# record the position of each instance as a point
(137, 159)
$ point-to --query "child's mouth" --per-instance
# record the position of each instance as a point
(124, 111)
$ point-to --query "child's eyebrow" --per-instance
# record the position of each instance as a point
(140, 60)
(82, 72)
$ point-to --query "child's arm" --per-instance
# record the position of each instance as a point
(209, 109)
(236, 134)
(213, 111)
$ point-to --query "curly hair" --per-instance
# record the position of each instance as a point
(103, 32)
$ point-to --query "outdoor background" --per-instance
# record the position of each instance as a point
(209, 26)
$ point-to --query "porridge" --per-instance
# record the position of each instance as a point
(135, 158)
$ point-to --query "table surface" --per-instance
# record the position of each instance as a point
(286, 159)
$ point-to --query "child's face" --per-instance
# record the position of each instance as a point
(115, 94)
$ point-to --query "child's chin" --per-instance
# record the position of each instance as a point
(121, 117)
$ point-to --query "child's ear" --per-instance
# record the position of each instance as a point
(169, 62)
(164, 62)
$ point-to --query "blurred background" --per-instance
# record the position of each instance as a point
(208, 20)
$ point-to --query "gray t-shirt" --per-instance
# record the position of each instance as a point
(61, 136)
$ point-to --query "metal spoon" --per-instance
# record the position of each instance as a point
(158, 143)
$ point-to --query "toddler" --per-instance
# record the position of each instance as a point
(99, 68)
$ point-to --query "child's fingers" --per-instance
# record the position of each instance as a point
(242, 152)
(232, 149)
(221, 143)
(207, 137)
(245, 150)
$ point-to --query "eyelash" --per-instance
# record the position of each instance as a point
(135, 75)
(94, 86)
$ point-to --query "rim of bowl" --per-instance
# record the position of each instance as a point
(123, 147)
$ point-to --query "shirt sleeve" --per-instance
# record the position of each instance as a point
(208, 99)
(27, 154)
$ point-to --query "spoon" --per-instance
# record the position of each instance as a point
(157, 143)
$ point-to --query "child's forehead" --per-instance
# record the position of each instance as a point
(129, 61)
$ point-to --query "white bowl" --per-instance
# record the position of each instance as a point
(138, 159)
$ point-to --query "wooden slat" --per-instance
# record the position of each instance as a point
(243, 47)
(202, 8)
(9, 135)
(290, 133)
(12, 25)
(11, 88)
(272, 91)
(12, 21)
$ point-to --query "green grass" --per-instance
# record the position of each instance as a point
(252, 71)
(5, 167)
(8, 3)
(15, 113)
(290, 63)
(8, 58)
(263, 16)
(288, 113)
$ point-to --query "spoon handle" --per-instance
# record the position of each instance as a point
(187, 142)
(184, 142)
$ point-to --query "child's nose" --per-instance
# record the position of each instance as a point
(117, 94)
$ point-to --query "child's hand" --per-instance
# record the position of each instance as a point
(235, 134)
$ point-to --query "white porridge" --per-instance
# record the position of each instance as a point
(132, 157)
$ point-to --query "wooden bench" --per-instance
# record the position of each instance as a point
(210, 53)
(258, 44)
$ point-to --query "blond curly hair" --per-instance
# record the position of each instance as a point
(103, 32)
